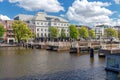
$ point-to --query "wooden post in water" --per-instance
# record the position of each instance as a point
(111, 43)
(91, 52)
(78, 50)
(77, 47)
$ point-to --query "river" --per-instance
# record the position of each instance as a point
(36, 64)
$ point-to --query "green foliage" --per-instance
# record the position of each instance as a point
(21, 31)
(2, 30)
(92, 33)
(54, 32)
(73, 32)
(110, 32)
(119, 34)
(63, 35)
(83, 32)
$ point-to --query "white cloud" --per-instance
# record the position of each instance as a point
(117, 1)
(46, 5)
(62, 15)
(4, 17)
(116, 22)
(89, 13)
(1, 0)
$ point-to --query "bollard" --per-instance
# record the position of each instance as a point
(26, 46)
(91, 52)
(88, 49)
(78, 50)
(32, 46)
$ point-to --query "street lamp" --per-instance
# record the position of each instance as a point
(100, 37)
(111, 39)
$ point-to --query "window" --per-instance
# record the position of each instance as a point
(67, 30)
(37, 23)
(41, 23)
(41, 29)
(49, 35)
(41, 34)
(55, 23)
(57, 19)
(45, 30)
(67, 24)
(37, 29)
(64, 24)
(67, 35)
(49, 24)
(45, 35)
(27, 21)
(45, 24)
(37, 34)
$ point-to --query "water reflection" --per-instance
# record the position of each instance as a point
(18, 62)
(112, 76)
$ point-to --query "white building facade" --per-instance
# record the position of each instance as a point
(100, 30)
(41, 22)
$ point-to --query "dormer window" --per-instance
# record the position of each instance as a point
(56, 19)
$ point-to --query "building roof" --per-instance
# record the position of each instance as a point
(43, 16)
(23, 17)
(83, 25)
(104, 26)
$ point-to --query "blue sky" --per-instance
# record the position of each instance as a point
(87, 12)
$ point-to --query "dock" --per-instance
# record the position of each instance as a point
(105, 51)
(109, 49)
(7, 45)
(58, 46)
(78, 47)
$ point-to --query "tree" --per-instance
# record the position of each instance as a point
(92, 33)
(2, 30)
(54, 32)
(63, 35)
(119, 34)
(83, 32)
(110, 32)
(73, 32)
(21, 31)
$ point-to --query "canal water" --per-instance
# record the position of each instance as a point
(35, 64)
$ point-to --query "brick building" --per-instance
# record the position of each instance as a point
(8, 36)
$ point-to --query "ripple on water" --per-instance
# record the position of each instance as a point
(84, 74)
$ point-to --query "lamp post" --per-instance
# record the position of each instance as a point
(100, 37)
(111, 39)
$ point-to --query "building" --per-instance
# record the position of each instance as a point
(23, 17)
(79, 26)
(41, 22)
(100, 30)
(8, 36)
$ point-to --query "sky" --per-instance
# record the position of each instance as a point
(80, 12)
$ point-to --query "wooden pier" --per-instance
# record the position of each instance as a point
(109, 48)
(105, 51)
(7, 45)
(40, 45)
(58, 46)
(78, 47)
